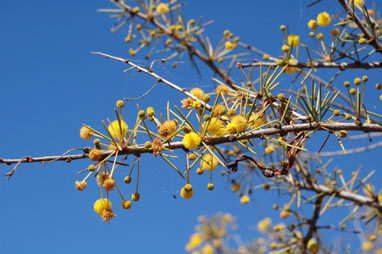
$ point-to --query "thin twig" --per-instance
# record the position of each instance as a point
(143, 95)
(351, 151)
(153, 74)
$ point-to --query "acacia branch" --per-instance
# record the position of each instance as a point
(313, 222)
(372, 40)
(342, 194)
(340, 65)
(216, 140)
(193, 51)
(314, 77)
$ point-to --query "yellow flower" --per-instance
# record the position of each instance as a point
(285, 48)
(126, 204)
(291, 70)
(132, 52)
(191, 140)
(358, 2)
(86, 133)
(208, 162)
(162, 8)
(279, 227)
(229, 45)
(256, 121)
(313, 246)
(116, 130)
(312, 24)
(232, 128)
(263, 225)
(323, 19)
(167, 128)
(235, 187)
(362, 41)
(196, 105)
(219, 110)
(187, 191)
(241, 123)
(150, 111)
(197, 92)
(366, 246)
(80, 185)
(208, 249)
(244, 199)
(293, 40)
(195, 240)
(216, 127)
(269, 149)
(223, 89)
(101, 204)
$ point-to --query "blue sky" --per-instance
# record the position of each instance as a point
(50, 85)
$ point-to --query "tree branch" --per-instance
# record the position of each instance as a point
(340, 65)
(217, 140)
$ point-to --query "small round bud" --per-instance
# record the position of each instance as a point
(346, 83)
(127, 179)
(210, 186)
(80, 185)
(365, 78)
(109, 184)
(312, 34)
(142, 114)
(136, 10)
(335, 32)
(126, 204)
(91, 168)
(362, 41)
(192, 157)
(352, 91)
(150, 111)
(148, 144)
(96, 141)
(284, 214)
(336, 112)
(244, 200)
(312, 24)
(266, 57)
(120, 104)
(378, 86)
(357, 81)
(343, 133)
(135, 196)
(320, 36)
(187, 129)
(269, 149)
(285, 48)
(206, 98)
(281, 96)
(348, 117)
(199, 171)
(282, 28)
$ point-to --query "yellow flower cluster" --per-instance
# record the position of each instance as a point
(118, 130)
(191, 140)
